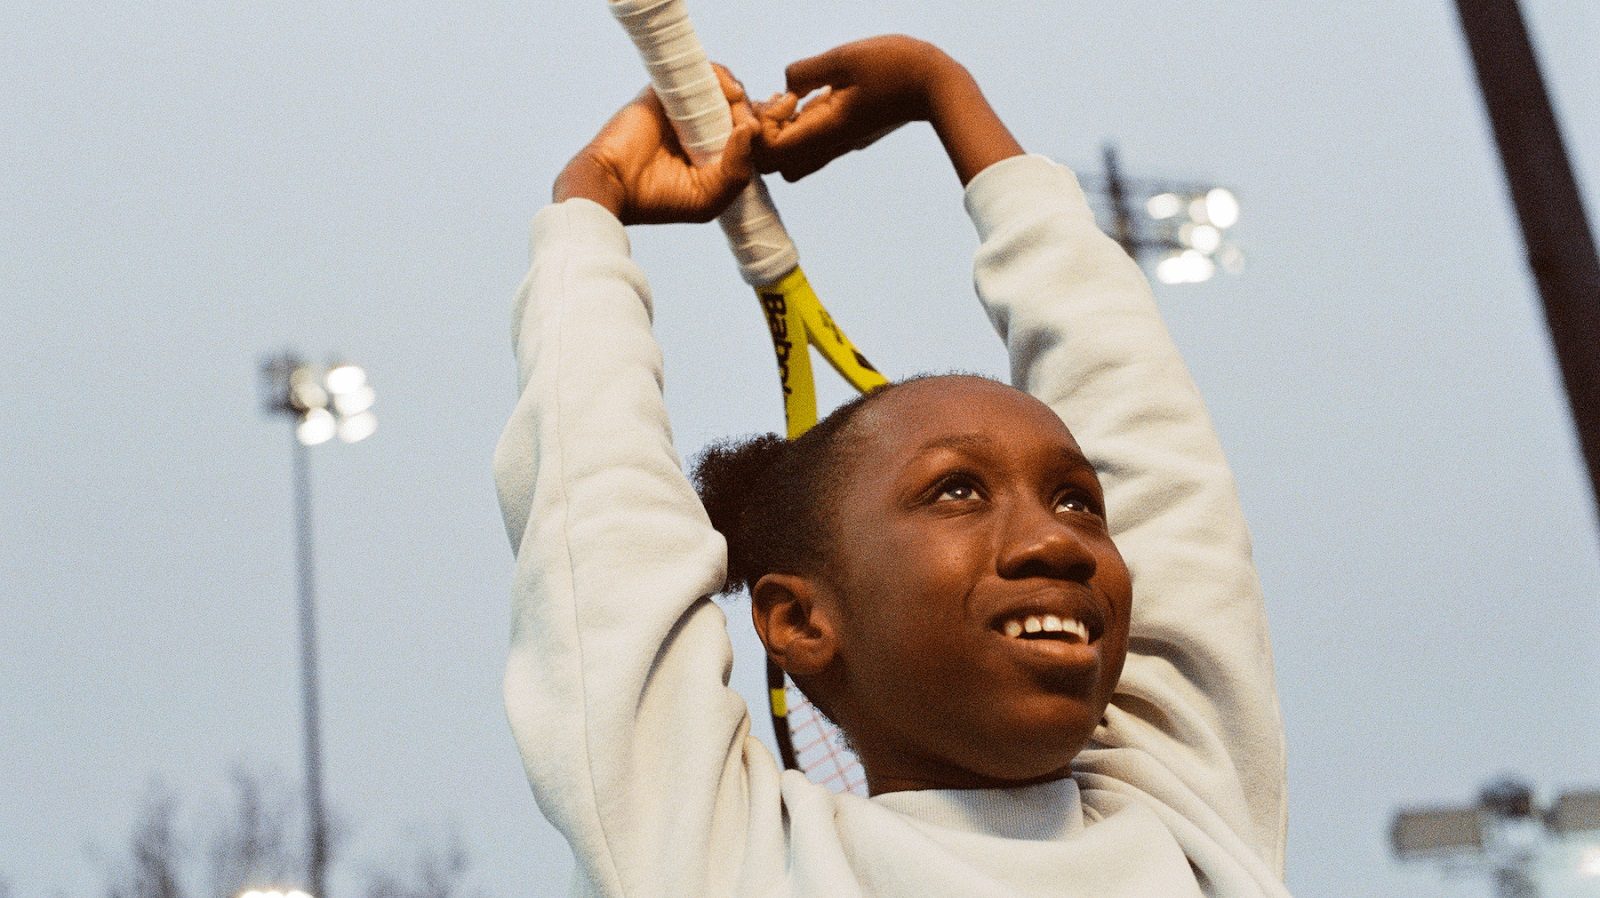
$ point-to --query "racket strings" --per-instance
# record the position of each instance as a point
(820, 749)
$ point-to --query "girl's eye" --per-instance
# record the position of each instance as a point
(1074, 503)
(956, 490)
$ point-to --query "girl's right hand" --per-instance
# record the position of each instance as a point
(636, 168)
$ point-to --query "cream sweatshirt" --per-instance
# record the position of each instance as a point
(617, 681)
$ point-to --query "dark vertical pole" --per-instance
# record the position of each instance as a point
(1561, 247)
(1117, 192)
(316, 822)
(1515, 881)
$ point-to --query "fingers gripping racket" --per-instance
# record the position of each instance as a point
(684, 80)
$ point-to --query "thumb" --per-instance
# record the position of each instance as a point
(735, 168)
(735, 161)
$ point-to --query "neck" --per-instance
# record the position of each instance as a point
(885, 778)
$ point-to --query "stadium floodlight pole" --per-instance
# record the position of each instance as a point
(319, 404)
(1183, 227)
(1561, 248)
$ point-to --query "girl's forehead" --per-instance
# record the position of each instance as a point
(935, 407)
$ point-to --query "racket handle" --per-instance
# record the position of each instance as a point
(684, 80)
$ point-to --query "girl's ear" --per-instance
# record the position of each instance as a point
(799, 632)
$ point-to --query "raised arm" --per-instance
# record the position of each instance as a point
(1195, 721)
(1196, 700)
(616, 685)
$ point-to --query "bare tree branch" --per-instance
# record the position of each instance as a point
(255, 840)
(154, 870)
(254, 844)
(438, 873)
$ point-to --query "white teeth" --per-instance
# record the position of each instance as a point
(1046, 623)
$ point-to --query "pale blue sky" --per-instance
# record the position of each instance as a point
(188, 186)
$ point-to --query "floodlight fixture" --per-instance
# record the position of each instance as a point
(1222, 207)
(316, 426)
(353, 402)
(358, 427)
(1575, 812)
(1164, 205)
(335, 401)
(1187, 266)
(344, 377)
(305, 393)
(1437, 832)
(1509, 835)
(1203, 238)
(1182, 228)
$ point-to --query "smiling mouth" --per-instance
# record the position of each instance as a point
(1040, 627)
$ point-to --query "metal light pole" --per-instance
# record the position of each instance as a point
(316, 816)
(1181, 226)
(319, 405)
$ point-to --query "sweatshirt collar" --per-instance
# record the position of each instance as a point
(1043, 812)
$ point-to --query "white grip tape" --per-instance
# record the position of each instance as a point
(688, 88)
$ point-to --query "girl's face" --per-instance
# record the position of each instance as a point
(983, 609)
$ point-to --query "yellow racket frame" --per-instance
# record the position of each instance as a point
(797, 320)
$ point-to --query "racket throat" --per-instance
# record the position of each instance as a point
(796, 320)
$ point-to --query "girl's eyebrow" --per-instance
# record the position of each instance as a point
(978, 444)
(1075, 457)
(965, 442)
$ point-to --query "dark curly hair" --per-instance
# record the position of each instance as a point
(772, 498)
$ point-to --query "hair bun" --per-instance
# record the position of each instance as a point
(727, 474)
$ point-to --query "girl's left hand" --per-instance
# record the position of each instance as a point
(868, 88)
(636, 168)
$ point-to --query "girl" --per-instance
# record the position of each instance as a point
(940, 565)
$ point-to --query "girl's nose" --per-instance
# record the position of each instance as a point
(1038, 543)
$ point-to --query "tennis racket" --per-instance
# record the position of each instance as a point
(796, 319)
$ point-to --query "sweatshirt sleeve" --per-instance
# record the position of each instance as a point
(616, 685)
(1195, 721)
